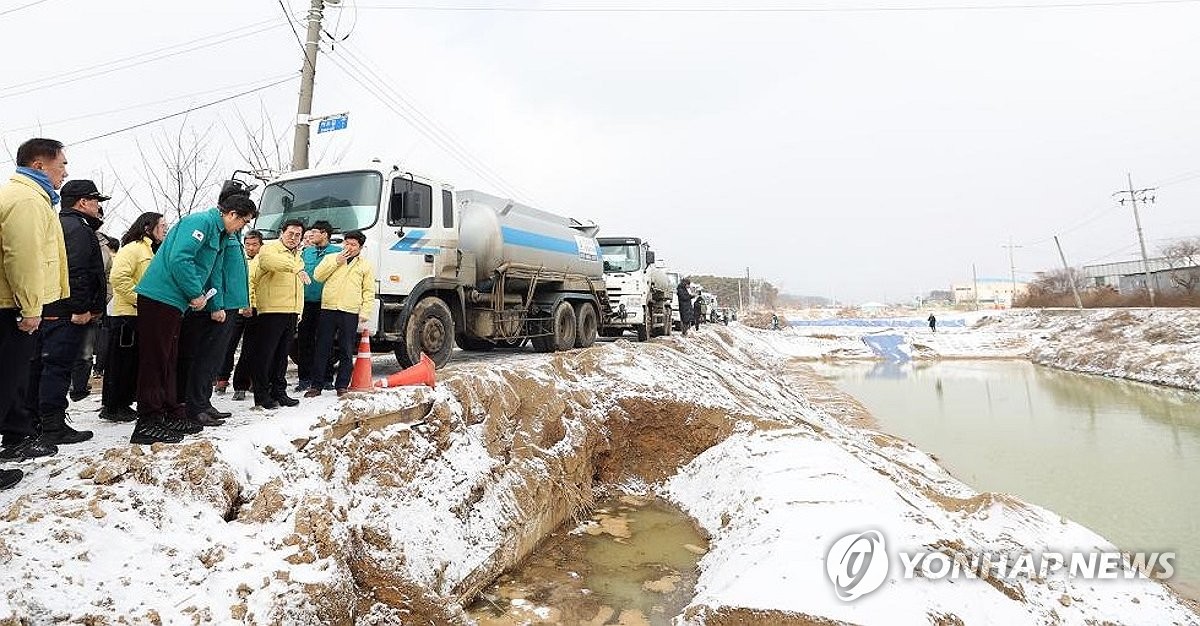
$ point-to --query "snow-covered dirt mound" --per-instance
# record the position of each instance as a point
(397, 507)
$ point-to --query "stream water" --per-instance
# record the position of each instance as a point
(1118, 457)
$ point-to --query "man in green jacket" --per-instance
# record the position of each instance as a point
(33, 272)
(205, 334)
(177, 280)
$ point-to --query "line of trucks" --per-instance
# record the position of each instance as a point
(476, 271)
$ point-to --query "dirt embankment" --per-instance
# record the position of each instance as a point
(1157, 346)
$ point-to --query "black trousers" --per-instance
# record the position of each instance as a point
(54, 357)
(272, 334)
(16, 422)
(82, 371)
(202, 344)
(242, 376)
(158, 357)
(341, 325)
(235, 336)
(121, 364)
(306, 339)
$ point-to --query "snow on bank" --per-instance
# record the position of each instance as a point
(394, 506)
(1148, 345)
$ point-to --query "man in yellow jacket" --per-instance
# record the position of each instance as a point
(278, 296)
(33, 273)
(346, 304)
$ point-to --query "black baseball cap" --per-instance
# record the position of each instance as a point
(81, 188)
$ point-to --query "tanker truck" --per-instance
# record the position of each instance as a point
(453, 267)
(638, 290)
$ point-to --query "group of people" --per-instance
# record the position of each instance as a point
(174, 306)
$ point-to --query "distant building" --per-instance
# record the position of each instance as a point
(1130, 276)
(993, 292)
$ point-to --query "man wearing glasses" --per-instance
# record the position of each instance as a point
(66, 322)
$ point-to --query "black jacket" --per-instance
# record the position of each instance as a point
(685, 303)
(85, 267)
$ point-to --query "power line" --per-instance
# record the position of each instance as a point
(291, 23)
(355, 74)
(769, 9)
(144, 104)
(183, 112)
(109, 67)
(444, 136)
(23, 6)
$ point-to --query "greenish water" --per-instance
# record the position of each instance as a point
(634, 562)
(1119, 457)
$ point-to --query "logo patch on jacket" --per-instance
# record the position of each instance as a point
(197, 235)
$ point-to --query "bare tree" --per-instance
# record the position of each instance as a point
(1183, 257)
(265, 147)
(1057, 283)
(180, 171)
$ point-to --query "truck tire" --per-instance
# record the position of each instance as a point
(430, 329)
(472, 344)
(586, 323)
(644, 331)
(559, 330)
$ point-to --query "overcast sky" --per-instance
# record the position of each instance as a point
(866, 155)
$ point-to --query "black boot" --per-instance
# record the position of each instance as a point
(55, 430)
(151, 430)
(30, 447)
(8, 478)
(120, 414)
(285, 400)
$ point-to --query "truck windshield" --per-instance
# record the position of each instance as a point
(348, 201)
(621, 258)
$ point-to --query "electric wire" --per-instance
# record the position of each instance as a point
(143, 105)
(23, 6)
(100, 69)
(445, 137)
(356, 75)
(777, 9)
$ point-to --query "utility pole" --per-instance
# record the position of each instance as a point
(975, 278)
(1134, 196)
(1070, 274)
(308, 74)
(1012, 268)
(749, 290)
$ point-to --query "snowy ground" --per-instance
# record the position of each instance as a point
(389, 508)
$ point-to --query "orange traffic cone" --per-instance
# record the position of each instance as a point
(361, 380)
(419, 374)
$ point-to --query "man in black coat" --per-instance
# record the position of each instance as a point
(65, 323)
(685, 305)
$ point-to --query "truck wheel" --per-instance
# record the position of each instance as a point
(558, 332)
(586, 323)
(430, 329)
(647, 327)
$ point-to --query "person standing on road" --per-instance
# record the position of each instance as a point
(310, 317)
(683, 292)
(932, 323)
(346, 304)
(33, 272)
(66, 322)
(242, 324)
(279, 298)
(121, 368)
(174, 283)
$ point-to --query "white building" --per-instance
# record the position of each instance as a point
(988, 292)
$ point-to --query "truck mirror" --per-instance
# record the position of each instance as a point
(649, 257)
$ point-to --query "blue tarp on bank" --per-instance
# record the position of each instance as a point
(902, 322)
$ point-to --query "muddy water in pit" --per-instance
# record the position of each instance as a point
(1118, 457)
(633, 562)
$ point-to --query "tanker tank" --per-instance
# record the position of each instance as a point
(500, 231)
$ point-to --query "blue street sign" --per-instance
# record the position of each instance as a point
(336, 122)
